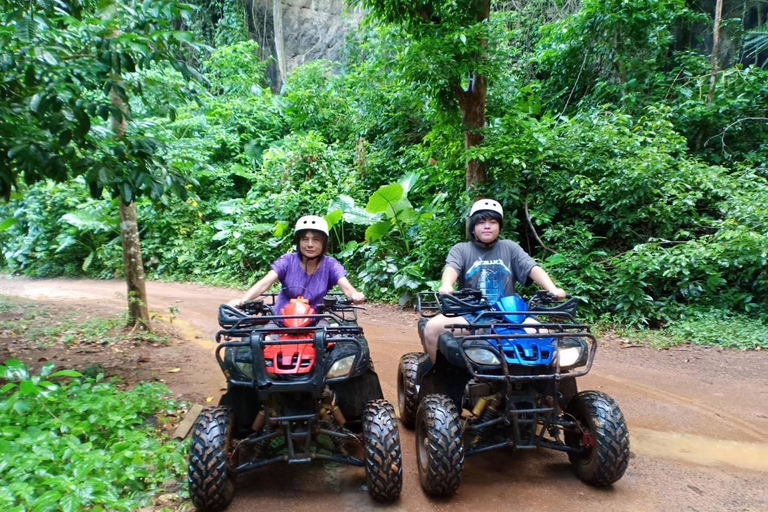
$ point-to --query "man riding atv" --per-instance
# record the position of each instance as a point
(486, 263)
(502, 373)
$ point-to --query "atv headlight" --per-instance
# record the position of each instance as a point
(571, 352)
(482, 356)
(341, 367)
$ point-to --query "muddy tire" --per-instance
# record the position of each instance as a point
(439, 447)
(383, 458)
(407, 389)
(211, 484)
(422, 325)
(605, 437)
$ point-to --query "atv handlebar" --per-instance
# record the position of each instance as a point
(468, 301)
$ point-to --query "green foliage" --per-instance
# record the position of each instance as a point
(599, 142)
(58, 230)
(710, 327)
(63, 68)
(236, 68)
(316, 100)
(609, 51)
(81, 444)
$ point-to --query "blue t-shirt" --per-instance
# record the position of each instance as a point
(312, 287)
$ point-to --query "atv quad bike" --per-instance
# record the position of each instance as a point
(505, 381)
(300, 387)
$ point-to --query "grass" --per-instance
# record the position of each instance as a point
(82, 442)
(38, 327)
(706, 327)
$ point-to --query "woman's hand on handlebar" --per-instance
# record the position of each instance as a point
(235, 303)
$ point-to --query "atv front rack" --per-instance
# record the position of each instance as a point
(486, 328)
(258, 339)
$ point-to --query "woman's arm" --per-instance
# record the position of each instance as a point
(261, 286)
(350, 291)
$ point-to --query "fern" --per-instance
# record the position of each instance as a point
(756, 41)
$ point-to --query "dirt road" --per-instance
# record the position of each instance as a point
(697, 419)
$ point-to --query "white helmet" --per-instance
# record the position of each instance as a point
(486, 204)
(312, 222)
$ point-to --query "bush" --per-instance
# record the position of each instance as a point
(81, 444)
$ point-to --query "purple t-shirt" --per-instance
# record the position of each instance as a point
(297, 282)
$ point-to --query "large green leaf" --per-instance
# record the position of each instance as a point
(353, 213)
(88, 220)
(378, 230)
(7, 223)
(384, 199)
(333, 218)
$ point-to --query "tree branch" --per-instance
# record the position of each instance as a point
(722, 134)
(533, 230)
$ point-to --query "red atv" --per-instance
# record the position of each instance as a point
(300, 387)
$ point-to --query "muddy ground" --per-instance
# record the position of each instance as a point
(697, 416)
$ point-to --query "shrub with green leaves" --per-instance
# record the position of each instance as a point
(70, 443)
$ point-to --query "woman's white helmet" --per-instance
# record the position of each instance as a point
(312, 222)
(486, 204)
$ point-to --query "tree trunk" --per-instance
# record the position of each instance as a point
(715, 51)
(138, 310)
(472, 103)
(277, 19)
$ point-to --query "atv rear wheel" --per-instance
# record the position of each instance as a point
(211, 483)
(383, 459)
(439, 446)
(407, 389)
(604, 438)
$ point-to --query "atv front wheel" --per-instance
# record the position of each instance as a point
(603, 437)
(407, 389)
(383, 459)
(211, 485)
(439, 447)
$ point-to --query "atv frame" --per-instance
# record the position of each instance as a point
(266, 418)
(461, 407)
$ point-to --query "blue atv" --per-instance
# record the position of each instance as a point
(506, 380)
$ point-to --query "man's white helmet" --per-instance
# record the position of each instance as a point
(486, 204)
(312, 222)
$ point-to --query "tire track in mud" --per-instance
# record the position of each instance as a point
(748, 429)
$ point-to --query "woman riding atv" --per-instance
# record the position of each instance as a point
(306, 272)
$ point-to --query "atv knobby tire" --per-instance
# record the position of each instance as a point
(407, 389)
(605, 461)
(383, 458)
(439, 446)
(211, 485)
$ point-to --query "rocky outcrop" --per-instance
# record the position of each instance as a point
(312, 29)
(316, 29)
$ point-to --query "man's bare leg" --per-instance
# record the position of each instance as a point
(434, 328)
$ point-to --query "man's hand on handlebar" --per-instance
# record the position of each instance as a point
(357, 298)
(445, 289)
(558, 294)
